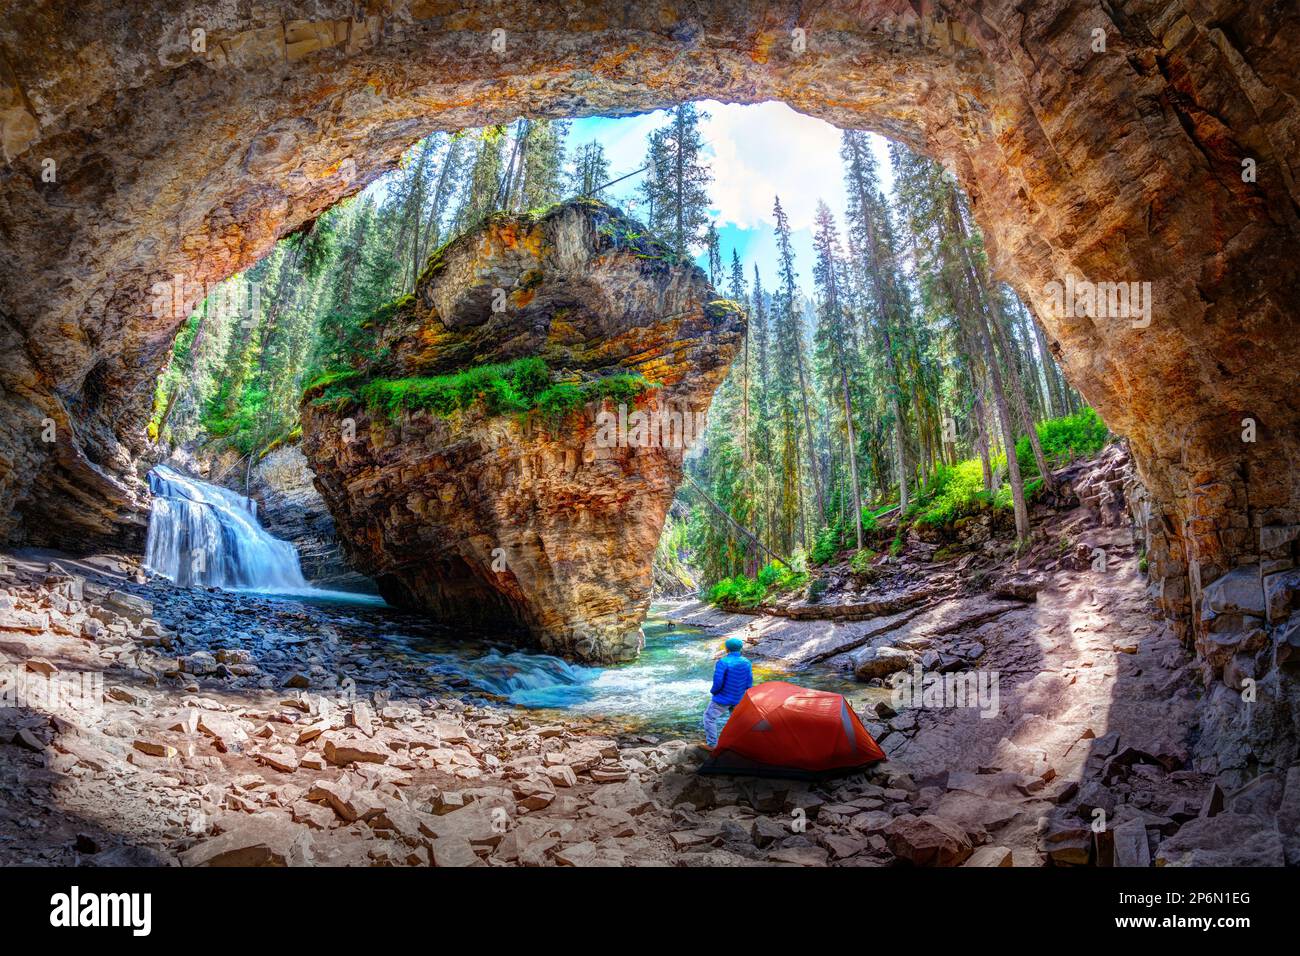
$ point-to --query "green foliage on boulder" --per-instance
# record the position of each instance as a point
(518, 387)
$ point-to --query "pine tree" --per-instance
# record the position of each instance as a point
(866, 216)
(590, 170)
(450, 172)
(790, 349)
(406, 204)
(738, 293)
(764, 453)
(936, 210)
(654, 185)
(540, 177)
(714, 252)
(836, 339)
(480, 194)
(676, 185)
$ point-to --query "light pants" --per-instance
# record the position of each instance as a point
(715, 718)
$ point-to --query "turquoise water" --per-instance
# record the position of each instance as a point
(330, 600)
(666, 689)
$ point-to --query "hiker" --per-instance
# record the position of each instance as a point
(732, 676)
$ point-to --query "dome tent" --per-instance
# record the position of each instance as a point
(783, 730)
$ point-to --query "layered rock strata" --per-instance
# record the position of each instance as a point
(543, 519)
(290, 507)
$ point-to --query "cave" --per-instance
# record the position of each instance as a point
(465, 594)
(1134, 168)
(1153, 145)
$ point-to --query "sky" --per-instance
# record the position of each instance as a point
(756, 152)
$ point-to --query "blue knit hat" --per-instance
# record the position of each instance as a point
(734, 644)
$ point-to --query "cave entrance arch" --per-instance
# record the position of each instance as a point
(1155, 144)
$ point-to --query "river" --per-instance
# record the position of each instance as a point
(203, 535)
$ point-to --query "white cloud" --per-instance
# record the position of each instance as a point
(757, 152)
(766, 150)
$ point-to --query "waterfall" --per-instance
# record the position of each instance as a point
(203, 534)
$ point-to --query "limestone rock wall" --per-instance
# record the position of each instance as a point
(523, 521)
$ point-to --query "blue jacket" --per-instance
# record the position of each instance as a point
(732, 676)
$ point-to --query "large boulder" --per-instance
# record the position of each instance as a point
(928, 841)
(1237, 592)
(877, 662)
(508, 456)
(1282, 595)
(1227, 839)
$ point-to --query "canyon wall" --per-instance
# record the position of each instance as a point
(536, 519)
(1151, 141)
(290, 507)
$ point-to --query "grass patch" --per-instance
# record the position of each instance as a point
(1064, 439)
(518, 387)
(500, 388)
(957, 491)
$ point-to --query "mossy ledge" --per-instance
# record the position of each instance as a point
(524, 386)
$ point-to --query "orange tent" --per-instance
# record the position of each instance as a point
(783, 730)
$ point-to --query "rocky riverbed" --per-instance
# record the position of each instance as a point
(204, 727)
(146, 723)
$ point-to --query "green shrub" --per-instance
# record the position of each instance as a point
(1064, 439)
(738, 591)
(860, 563)
(833, 538)
(828, 543)
(617, 388)
(561, 399)
(957, 491)
(769, 574)
(746, 592)
(531, 376)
